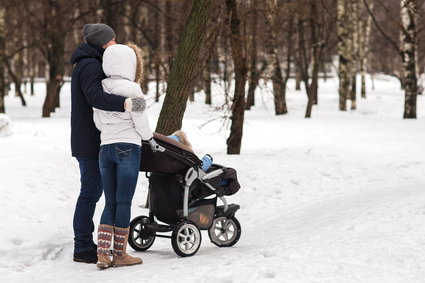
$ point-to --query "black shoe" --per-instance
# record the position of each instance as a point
(89, 256)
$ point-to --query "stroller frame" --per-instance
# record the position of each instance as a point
(224, 230)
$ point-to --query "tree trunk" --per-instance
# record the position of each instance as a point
(16, 81)
(157, 78)
(316, 50)
(182, 73)
(408, 53)
(169, 35)
(343, 52)
(253, 73)
(207, 82)
(279, 86)
(226, 69)
(55, 55)
(32, 85)
(145, 81)
(297, 79)
(238, 107)
(55, 60)
(364, 49)
(354, 49)
(192, 95)
(3, 89)
(16, 75)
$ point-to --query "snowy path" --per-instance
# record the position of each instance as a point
(301, 244)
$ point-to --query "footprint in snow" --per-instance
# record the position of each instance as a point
(16, 241)
(269, 274)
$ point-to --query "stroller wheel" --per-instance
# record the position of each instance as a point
(186, 238)
(225, 232)
(140, 237)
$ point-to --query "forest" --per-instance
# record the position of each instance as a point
(240, 44)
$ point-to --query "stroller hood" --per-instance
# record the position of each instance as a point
(176, 159)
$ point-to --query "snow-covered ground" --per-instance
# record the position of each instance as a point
(336, 198)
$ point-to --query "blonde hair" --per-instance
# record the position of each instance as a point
(183, 138)
(139, 58)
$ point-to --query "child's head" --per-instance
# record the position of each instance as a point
(182, 138)
(123, 61)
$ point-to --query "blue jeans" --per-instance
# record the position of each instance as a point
(119, 166)
(90, 192)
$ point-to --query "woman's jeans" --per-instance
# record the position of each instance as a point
(90, 192)
(119, 166)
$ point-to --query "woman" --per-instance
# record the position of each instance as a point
(120, 152)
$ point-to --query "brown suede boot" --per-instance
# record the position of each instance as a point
(104, 239)
(121, 258)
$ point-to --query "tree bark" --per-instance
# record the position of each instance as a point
(182, 74)
(16, 81)
(238, 107)
(408, 53)
(354, 47)
(279, 84)
(55, 59)
(52, 46)
(253, 73)
(207, 82)
(365, 29)
(343, 52)
(3, 89)
(297, 78)
(316, 52)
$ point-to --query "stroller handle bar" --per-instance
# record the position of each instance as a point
(155, 147)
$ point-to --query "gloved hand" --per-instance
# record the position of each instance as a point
(206, 162)
(155, 146)
(135, 104)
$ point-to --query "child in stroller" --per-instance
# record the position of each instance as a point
(184, 198)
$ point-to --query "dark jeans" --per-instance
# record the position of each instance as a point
(119, 166)
(90, 192)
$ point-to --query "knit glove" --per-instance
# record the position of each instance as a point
(137, 104)
(206, 162)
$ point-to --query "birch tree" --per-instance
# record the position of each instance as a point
(364, 40)
(276, 74)
(354, 50)
(407, 50)
(408, 55)
(344, 54)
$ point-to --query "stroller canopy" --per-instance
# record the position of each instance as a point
(175, 159)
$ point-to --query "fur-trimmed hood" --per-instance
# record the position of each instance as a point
(139, 58)
(123, 61)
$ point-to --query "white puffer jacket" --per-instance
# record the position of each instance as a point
(119, 65)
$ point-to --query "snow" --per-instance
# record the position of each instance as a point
(5, 125)
(336, 198)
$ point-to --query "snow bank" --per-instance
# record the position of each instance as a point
(5, 125)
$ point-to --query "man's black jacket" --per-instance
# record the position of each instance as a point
(87, 92)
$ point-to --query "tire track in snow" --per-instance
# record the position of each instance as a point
(306, 219)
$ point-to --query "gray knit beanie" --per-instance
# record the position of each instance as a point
(98, 34)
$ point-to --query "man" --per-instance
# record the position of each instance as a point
(87, 92)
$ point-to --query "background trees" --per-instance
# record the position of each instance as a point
(241, 45)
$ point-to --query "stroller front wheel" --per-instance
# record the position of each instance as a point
(186, 238)
(225, 232)
(140, 237)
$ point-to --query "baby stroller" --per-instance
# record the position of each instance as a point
(184, 198)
